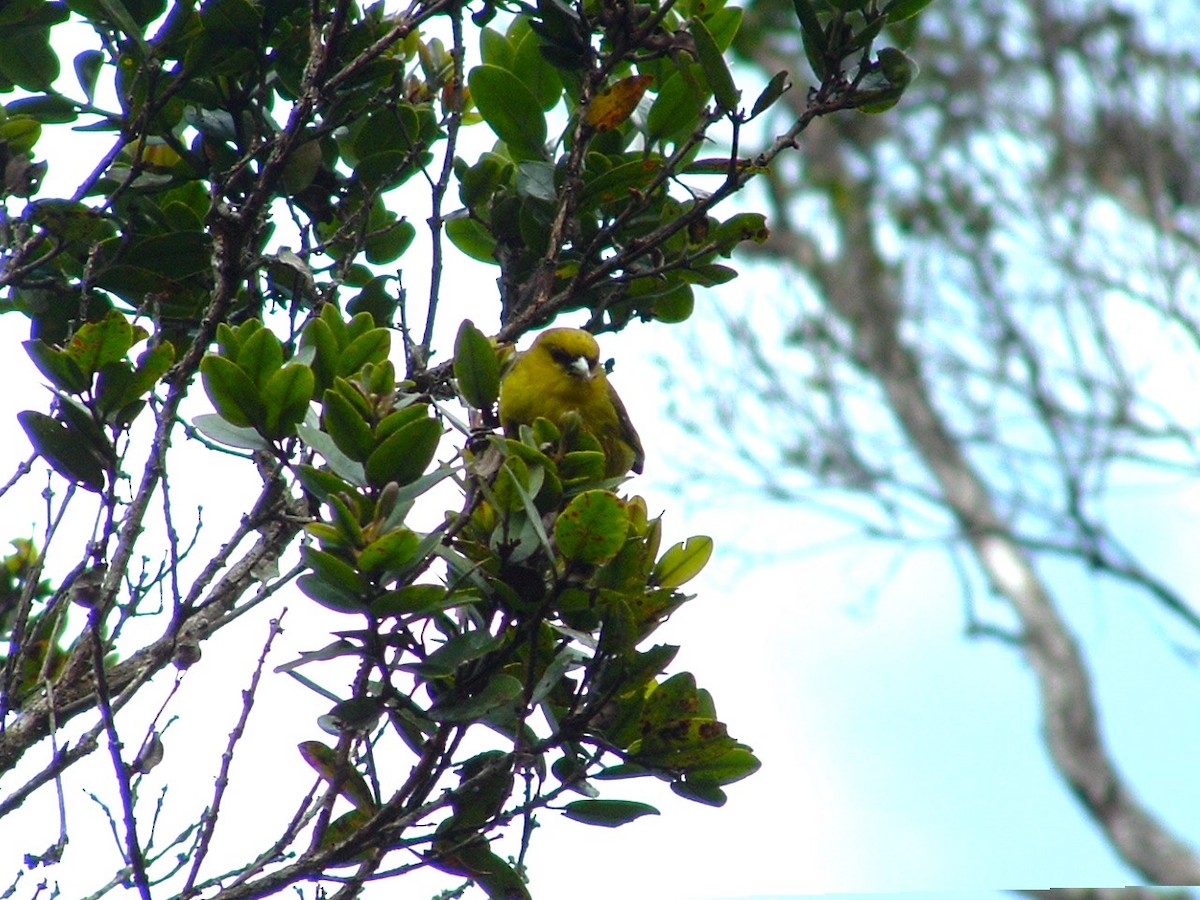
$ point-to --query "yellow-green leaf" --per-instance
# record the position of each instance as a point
(716, 72)
(476, 366)
(592, 528)
(683, 562)
(286, 396)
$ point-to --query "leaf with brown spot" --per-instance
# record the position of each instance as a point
(616, 103)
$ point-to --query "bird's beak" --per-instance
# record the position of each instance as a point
(581, 367)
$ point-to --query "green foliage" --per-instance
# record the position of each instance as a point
(476, 367)
(99, 393)
(250, 385)
(834, 33)
(525, 616)
(609, 813)
(552, 583)
(27, 620)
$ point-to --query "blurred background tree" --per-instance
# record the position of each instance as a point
(987, 330)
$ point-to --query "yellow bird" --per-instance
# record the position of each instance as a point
(560, 374)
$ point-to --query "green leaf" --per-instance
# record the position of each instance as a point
(392, 552)
(732, 766)
(49, 109)
(396, 420)
(63, 449)
(615, 185)
(98, 343)
(229, 340)
(536, 179)
(330, 595)
(531, 66)
(124, 14)
(478, 183)
(26, 58)
(260, 356)
(389, 243)
(899, 10)
(371, 346)
(510, 109)
(471, 237)
(592, 528)
(340, 647)
(344, 423)
(152, 364)
(350, 782)
(676, 111)
(676, 305)
(724, 25)
(32, 13)
(564, 661)
(459, 649)
(302, 166)
(608, 813)
(391, 131)
(510, 490)
(213, 426)
(231, 391)
(418, 600)
(343, 828)
(318, 335)
(716, 72)
(495, 49)
(20, 133)
(681, 739)
(339, 463)
(334, 570)
(111, 384)
(476, 366)
(322, 483)
(81, 422)
(58, 366)
(333, 582)
(405, 455)
(620, 771)
(345, 521)
(174, 256)
(582, 466)
(708, 794)
(709, 275)
(883, 87)
(501, 690)
(815, 45)
(286, 397)
(380, 379)
(776, 87)
(683, 562)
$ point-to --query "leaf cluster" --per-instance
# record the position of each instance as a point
(98, 393)
(834, 31)
(552, 584)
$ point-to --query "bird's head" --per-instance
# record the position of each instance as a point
(575, 351)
